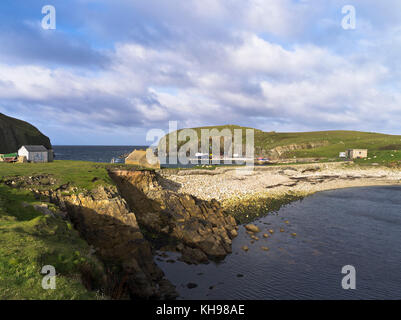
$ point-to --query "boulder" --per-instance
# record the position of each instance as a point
(252, 228)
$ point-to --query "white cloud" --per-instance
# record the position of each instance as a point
(198, 77)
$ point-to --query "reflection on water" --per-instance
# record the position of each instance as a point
(359, 227)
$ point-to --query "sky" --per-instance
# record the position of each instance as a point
(113, 70)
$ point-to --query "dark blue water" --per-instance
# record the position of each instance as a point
(92, 153)
(359, 227)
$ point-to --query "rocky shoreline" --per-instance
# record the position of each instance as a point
(192, 212)
(127, 223)
(246, 194)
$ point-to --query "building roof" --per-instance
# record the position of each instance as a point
(35, 148)
(138, 157)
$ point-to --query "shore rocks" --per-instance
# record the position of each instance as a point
(191, 285)
(190, 255)
(104, 220)
(252, 228)
(200, 226)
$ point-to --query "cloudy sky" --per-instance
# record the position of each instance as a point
(112, 70)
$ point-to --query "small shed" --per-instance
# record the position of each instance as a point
(357, 153)
(34, 153)
(138, 157)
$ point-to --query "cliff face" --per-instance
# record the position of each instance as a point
(199, 229)
(14, 133)
(280, 151)
(104, 220)
(125, 223)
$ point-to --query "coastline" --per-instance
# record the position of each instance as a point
(249, 194)
(138, 210)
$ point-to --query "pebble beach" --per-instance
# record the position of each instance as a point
(227, 183)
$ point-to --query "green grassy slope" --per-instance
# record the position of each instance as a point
(335, 141)
(29, 240)
(14, 133)
(80, 174)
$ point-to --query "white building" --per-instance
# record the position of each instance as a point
(34, 153)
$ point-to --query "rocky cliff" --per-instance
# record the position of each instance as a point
(281, 151)
(199, 229)
(104, 220)
(14, 133)
(125, 223)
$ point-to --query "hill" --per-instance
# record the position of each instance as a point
(14, 133)
(318, 144)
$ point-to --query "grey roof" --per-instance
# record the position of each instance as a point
(35, 148)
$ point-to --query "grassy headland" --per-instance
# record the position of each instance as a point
(31, 240)
(80, 174)
(321, 144)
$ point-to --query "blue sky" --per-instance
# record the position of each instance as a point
(112, 70)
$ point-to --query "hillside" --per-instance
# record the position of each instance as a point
(14, 133)
(318, 144)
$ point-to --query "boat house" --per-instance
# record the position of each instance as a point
(35, 153)
(357, 153)
(138, 157)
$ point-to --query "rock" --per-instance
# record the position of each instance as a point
(294, 234)
(104, 220)
(255, 238)
(286, 222)
(62, 214)
(252, 228)
(265, 248)
(271, 231)
(191, 285)
(44, 209)
(193, 256)
(233, 233)
(181, 218)
(281, 230)
(245, 248)
(265, 235)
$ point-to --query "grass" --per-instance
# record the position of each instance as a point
(29, 240)
(382, 157)
(14, 130)
(332, 142)
(81, 174)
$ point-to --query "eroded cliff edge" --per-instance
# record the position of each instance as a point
(199, 229)
(104, 220)
(126, 223)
